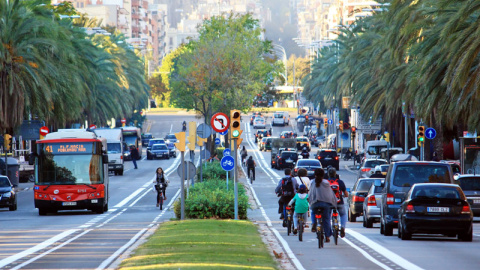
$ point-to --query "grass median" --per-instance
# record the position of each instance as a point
(203, 244)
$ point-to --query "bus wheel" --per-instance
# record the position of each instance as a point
(105, 208)
(99, 210)
(42, 212)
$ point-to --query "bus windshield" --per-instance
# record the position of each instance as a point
(130, 140)
(375, 149)
(69, 169)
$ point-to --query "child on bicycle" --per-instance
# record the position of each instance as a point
(301, 206)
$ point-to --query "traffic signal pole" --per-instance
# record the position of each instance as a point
(235, 177)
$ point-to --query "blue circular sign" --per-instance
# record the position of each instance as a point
(227, 152)
(224, 133)
(227, 163)
(217, 141)
(330, 122)
(430, 133)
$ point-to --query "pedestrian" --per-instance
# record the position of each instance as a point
(244, 155)
(321, 196)
(160, 178)
(340, 189)
(435, 157)
(134, 155)
(251, 167)
(213, 158)
(286, 190)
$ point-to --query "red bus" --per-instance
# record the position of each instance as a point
(71, 172)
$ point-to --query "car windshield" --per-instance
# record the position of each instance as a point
(159, 147)
(407, 175)
(114, 148)
(469, 183)
(152, 142)
(302, 140)
(4, 182)
(287, 155)
(364, 185)
(436, 192)
(384, 168)
(171, 137)
(373, 163)
(147, 136)
(375, 150)
(307, 163)
(331, 154)
(278, 115)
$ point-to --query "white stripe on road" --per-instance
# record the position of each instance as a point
(366, 255)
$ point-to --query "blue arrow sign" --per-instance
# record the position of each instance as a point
(217, 141)
(330, 121)
(227, 152)
(224, 133)
(227, 163)
(430, 133)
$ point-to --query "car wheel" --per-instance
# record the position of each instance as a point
(120, 172)
(369, 223)
(382, 228)
(351, 217)
(364, 220)
(404, 235)
(42, 211)
(13, 207)
(337, 168)
(466, 237)
(388, 230)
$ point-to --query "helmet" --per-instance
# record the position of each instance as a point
(302, 189)
(332, 172)
(378, 169)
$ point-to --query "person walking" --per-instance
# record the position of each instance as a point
(340, 190)
(244, 155)
(321, 196)
(134, 155)
(286, 190)
(160, 178)
(251, 167)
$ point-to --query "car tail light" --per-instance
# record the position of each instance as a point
(371, 201)
(358, 198)
(121, 157)
(410, 209)
(390, 199)
(366, 169)
(296, 170)
(319, 157)
(273, 162)
(318, 216)
(336, 158)
(466, 209)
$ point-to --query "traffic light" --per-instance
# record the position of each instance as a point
(306, 119)
(325, 123)
(340, 125)
(235, 126)
(201, 141)
(421, 133)
(317, 123)
(192, 135)
(7, 143)
(181, 141)
(354, 132)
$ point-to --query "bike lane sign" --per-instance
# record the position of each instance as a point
(227, 152)
(227, 163)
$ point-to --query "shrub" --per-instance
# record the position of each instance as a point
(213, 171)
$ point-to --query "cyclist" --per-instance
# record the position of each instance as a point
(301, 206)
(251, 167)
(244, 155)
(321, 196)
(285, 190)
(338, 186)
(160, 178)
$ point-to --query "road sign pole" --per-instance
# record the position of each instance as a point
(188, 180)
(201, 167)
(235, 177)
(182, 186)
(227, 180)
(406, 133)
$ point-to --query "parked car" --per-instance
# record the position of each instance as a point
(309, 164)
(328, 157)
(470, 185)
(368, 165)
(145, 138)
(158, 151)
(155, 141)
(400, 178)
(303, 142)
(171, 138)
(356, 197)
(172, 150)
(433, 208)
(371, 204)
(286, 159)
(8, 197)
(259, 122)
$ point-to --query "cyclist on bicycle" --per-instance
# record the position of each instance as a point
(321, 196)
(251, 167)
(340, 190)
(244, 155)
(160, 178)
(301, 206)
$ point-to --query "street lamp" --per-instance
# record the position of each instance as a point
(282, 50)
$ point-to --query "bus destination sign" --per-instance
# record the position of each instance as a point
(69, 148)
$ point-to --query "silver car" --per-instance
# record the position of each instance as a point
(371, 205)
(368, 166)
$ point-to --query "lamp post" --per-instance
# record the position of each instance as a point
(282, 50)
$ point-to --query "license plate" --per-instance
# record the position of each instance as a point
(289, 161)
(476, 201)
(94, 201)
(69, 203)
(328, 158)
(438, 209)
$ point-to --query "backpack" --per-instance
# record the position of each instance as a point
(250, 163)
(287, 187)
(336, 188)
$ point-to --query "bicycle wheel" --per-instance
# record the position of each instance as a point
(335, 236)
(160, 201)
(300, 230)
(322, 236)
(289, 226)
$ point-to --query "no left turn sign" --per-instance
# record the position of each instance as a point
(220, 122)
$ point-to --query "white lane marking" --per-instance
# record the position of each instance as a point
(129, 198)
(50, 250)
(366, 255)
(36, 248)
(383, 251)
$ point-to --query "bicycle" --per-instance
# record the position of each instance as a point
(319, 228)
(335, 225)
(300, 229)
(251, 169)
(159, 187)
(289, 220)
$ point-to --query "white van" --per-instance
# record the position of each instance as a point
(280, 118)
(373, 148)
(114, 139)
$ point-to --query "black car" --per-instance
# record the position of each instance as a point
(8, 197)
(172, 150)
(470, 185)
(260, 134)
(328, 157)
(400, 178)
(146, 138)
(309, 164)
(155, 141)
(433, 208)
(287, 159)
(158, 151)
(356, 197)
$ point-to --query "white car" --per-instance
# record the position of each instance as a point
(280, 119)
(259, 122)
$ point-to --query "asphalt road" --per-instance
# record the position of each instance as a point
(83, 240)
